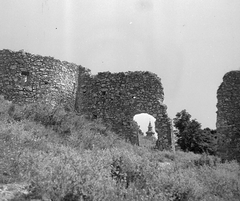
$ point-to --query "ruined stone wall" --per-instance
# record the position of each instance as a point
(228, 116)
(114, 97)
(118, 97)
(25, 77)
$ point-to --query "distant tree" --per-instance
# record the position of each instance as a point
(182, 120)
(190, 136)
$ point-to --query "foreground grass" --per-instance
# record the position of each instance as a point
(76, 159)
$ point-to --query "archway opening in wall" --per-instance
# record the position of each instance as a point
(143, 121)
(148, 135)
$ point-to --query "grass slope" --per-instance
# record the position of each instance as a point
(61, 156)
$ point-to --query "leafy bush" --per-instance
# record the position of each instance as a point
(190, 136)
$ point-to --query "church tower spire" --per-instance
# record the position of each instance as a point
(150, 132)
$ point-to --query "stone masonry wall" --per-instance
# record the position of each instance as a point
(114, 97)
(118, 97)
(228, 116)
(26, 77)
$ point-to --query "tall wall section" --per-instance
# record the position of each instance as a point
(114, 97)
(228, 116)
(118, 97)
(25, 77)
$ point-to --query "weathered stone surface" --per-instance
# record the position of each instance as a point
(228, 116)
(114, 97)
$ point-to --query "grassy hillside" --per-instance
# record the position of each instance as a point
(61, 156)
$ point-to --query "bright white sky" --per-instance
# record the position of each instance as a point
(189, 44)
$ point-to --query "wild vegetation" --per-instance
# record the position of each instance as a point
(191, 137)
(62, 156)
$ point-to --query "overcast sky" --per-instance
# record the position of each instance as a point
(189, 44)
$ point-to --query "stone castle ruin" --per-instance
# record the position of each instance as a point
(114, 97)
(228, 116)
